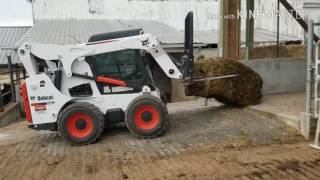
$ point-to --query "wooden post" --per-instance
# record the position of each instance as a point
(278, 29)
(1, 99)
(221, 27)
(231, 29)
(11, 79)
(250, 29)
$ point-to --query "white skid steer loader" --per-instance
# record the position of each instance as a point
(79, 90)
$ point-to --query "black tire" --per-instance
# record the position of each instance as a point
(147, 117)
(81, 123)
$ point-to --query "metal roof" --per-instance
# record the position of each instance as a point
(74, 31)
(8, 37)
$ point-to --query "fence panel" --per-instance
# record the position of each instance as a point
(8, 95)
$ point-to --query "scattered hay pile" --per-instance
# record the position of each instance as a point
(239, 91)
(286, 51)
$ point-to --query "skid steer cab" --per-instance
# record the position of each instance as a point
(79, 90)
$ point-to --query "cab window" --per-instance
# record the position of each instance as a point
(126, 65)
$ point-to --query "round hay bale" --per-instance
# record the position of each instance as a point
(242, 90)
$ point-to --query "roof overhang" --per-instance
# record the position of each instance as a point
(75, 31)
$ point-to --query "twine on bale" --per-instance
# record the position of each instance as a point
(239, 91)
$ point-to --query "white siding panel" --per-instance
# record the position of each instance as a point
(171, 12)
(288, 25)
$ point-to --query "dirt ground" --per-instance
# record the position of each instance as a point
(211, 143)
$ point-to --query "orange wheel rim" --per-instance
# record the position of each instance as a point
(146, 117)
(80, 125)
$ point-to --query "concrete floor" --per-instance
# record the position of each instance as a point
(287, 107)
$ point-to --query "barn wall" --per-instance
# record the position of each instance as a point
(288, 25)
(170, 12)
(280, 75)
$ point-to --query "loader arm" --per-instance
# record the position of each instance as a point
(68, 54)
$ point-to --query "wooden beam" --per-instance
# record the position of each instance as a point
(250, 29)
(231, 29)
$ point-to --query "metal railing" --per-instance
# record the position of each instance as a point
(16, 73)
(313, 81)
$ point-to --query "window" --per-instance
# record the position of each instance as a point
(126, 65)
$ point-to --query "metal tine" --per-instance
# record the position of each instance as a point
(215, 78)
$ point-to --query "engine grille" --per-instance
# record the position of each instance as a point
(83, 90)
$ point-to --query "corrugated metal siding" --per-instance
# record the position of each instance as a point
(170, 12)
(8, 37)
(75, 31)
(313, 7)
(288, 25)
